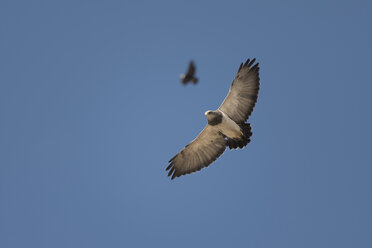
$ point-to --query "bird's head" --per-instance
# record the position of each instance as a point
(213, 117)
(208, 112)
(182, 76)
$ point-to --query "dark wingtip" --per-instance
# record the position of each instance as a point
(255, 66)
(170, 160)
(171, 171)
(252, 62)
(240, 67)
(169, 166)
(246, 62)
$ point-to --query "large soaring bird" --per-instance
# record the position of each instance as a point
(190, 74)
(226, 126)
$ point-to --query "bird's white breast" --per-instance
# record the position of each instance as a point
(229, 128)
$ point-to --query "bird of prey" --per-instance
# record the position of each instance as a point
(190, 74)
(226, 126)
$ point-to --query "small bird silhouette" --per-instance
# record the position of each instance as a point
(190, 74)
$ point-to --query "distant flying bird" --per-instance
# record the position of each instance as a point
(190, 74)
(226, 126)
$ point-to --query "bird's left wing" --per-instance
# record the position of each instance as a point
(200, 153)
(191, 70)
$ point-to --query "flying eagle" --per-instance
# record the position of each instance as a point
(190, 74)
(226, 126)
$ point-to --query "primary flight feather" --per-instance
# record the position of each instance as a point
(226, 126)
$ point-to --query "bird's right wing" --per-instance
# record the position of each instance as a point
(242, 97)
(200, 153)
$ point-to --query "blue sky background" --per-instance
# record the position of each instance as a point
(91, 110)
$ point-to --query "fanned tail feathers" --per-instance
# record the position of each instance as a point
(240, 143)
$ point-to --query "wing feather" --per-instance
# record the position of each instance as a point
(243, 93)
(200, 153)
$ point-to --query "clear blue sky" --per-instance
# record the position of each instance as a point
(91, 110)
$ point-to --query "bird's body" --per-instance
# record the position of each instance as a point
(226, 126)
(223, 124)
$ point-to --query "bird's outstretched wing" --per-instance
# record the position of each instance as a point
(242, 96)
(191, 70)
(200, 153)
